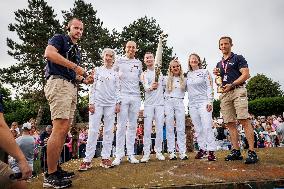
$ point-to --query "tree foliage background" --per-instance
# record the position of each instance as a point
(37, 23)
(261, 86)
(145, 32)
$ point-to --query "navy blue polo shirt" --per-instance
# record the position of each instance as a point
(1, 103)
(230, 68)
(68, 50)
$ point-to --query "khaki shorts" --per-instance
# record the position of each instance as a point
(5, 172)
(62, 98)
(234, 105)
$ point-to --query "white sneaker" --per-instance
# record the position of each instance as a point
(132, 159)
(145, 159)
(172, 156)
(183, 156)
(116, 161)
(160, 156)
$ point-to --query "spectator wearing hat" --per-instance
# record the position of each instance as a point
(26, 143)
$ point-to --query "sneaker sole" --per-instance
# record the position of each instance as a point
(251, 162)
(81, 170)
(161, 159)
(186, 158)
(236, 159)
(47, 185)
(106, 166)
(212, 159)
(134, 162)
(144, 161)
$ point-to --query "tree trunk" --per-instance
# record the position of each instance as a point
(39, 115)
(189, 130)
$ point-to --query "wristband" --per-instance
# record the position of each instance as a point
(233, 85)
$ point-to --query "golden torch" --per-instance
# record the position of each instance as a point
(158, 58)
(218, 81)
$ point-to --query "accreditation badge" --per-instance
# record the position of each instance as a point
(225, 78)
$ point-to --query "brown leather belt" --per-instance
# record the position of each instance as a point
(62, 77)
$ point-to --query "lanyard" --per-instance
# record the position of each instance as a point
(225, 66)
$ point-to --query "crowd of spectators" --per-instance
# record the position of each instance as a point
(269, 132)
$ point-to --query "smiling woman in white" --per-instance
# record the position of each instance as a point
(200, 99)
(104, 101)
(174, 108)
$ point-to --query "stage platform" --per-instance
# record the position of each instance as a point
(191, 173)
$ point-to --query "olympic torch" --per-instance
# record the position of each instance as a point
(158, 58)
(218, 81)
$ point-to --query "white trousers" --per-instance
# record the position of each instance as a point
(129, 111)
(151, 113)
(174, 107)
(94, 126)
(202, 121)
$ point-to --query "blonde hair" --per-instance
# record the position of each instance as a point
(169, 85)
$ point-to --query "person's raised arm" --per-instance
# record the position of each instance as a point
(51, 53)
(9, 145)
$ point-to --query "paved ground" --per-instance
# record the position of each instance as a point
(181, 174)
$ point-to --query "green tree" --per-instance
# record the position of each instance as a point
(95, 36)
(19, 110)
(261, 86)
(34, 26)
(5, 92)
(145, 32)
(216, 108)
(267, 106)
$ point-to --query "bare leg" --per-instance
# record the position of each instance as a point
(234, 135)
(55, 143)
(248, 132)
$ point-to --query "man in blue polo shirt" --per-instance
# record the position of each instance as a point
(62, 71)
(234, 102)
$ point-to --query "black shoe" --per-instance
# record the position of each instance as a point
(234, 155)
(200, 154)
(252, 158)
(65, 174)
(56, 181)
